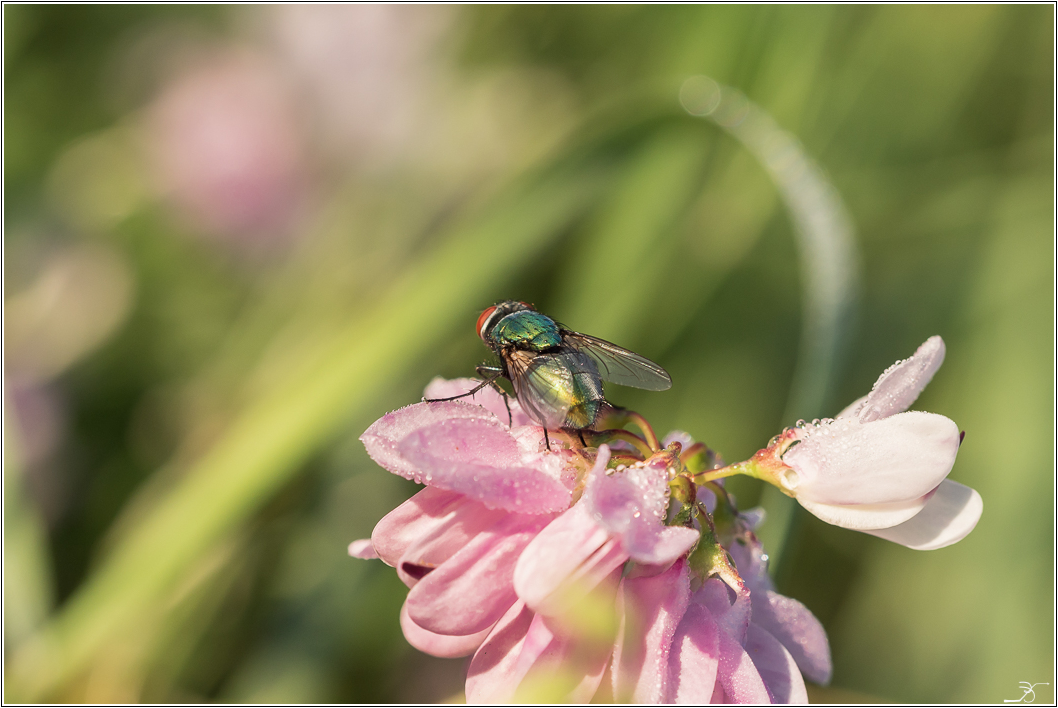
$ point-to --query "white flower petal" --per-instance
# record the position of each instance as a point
(861, 517)
(895, 459)
(951, 513)
(899, 385)
(853, 409)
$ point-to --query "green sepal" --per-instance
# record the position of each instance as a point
(684, 516)
(709, 559)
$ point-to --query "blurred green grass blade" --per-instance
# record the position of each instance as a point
(625, 255)
(265, 444)
(27, 570)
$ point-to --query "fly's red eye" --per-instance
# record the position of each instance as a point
(483, 318)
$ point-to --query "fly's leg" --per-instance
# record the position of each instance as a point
(471, 392)
(494, 372)
(580, 434)
(547, 442)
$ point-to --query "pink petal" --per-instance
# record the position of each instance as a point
(581, 651)
(751, 562)
(385, 434)
(684, 439)
(568, 663)
(621, 500)
(895, 459)
(776, 667)
(662, 546)
(494, 672)
(556, 555)
(786, 619)
(558, 667)
(860, 517)
(797, 629)
(471, 590)
(428, 514)
(694, 658)
(950, 514)
(444, 646)
(487, 397)
(631, 504)
(899, 386)
(481, 459)
(719, 697)
(653, 608)
(589, 666)
(362, 549)
(462, 447)
(737, 674)
(731, 617)
(753, 518)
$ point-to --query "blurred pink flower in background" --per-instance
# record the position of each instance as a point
(369, 72)
(225, 140)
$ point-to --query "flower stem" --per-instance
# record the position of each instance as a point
(628, 436)
(648, 431)
(623, 458)
(746, 467)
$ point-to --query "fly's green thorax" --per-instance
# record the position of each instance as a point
(527, 329)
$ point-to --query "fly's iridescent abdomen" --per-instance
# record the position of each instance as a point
(560, 390)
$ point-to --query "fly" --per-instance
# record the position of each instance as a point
(557, 373)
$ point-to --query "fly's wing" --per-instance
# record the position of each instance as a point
(618, 365)
(548, 386)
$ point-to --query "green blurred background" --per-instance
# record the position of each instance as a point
(234, 237)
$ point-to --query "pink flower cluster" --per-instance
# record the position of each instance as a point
(563, 575)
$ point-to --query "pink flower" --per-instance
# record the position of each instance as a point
(879, 469)
(564, 577)
(226, 142)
